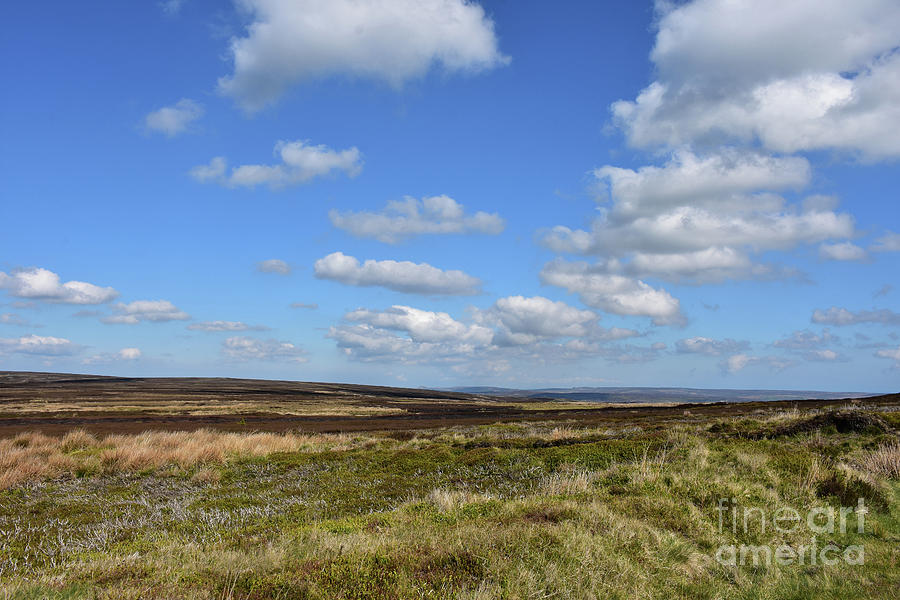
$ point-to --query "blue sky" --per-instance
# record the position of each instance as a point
(446, 193)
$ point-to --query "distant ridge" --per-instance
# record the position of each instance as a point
(615, 395)
(661, 394)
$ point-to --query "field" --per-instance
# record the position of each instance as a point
(118, 488)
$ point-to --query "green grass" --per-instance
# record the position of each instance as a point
(492, 512)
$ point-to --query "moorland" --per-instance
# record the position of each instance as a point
(220, 488)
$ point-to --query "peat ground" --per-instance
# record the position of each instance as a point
(57, 403)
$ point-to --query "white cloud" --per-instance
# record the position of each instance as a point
(710, 265)
(274, 265)
(41, 284)
(38, 345)
(128, 354)
(613, 293)
(688, 229)
(811, 346)
(841, 316)
(890, 242)
(804, 75)
(300, 163)
(402, 219)
(175, 119)
(699, 219)
(407, 334)
(844, 251)
(291, 41)
(155, 311)
(225, 326)
(516, 327)
(739, 362)
(728, 181)
(523, 320)
(247, 348)
(401, 276)
(891, 354)
(710, 347)
(422, 325)
(214, 171)
(369, 343)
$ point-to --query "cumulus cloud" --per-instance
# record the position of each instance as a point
(247, 348)
(612, 293)
(38, 345)
(711, 347)
(728, 181)
(274, 265)
(891, 354)
(739, 362)
(798, 76)
(844, 251)
(41, 284)
(401, 276)
(516, 327)
(689, 230)
(301, 162)
(175, 119)
(521, 321)
(402, 219)
(291, 41)
(422, 325)
(698, 219)
(841, 316)
(524, 320)
(225, 326)
(154, 311)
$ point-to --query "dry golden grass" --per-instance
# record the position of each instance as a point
(568, 482)
(447, 500)
(34, 456)
(152, 406)
(883, 461)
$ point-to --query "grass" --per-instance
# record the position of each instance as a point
(34, 456)
(502, 511)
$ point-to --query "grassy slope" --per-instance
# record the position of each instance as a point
(506, 511)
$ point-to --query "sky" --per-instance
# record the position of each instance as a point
(449, 193)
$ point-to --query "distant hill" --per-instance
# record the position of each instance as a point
(650, 394)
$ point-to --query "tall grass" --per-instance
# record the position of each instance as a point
(883, 461)
(33, 456)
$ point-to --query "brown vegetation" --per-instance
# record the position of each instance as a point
(33, 456)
